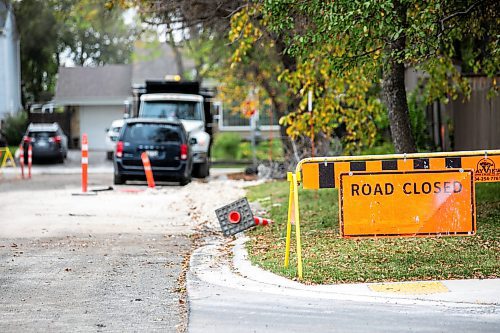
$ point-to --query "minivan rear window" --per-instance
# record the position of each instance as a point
(152, 133)
(42, 135)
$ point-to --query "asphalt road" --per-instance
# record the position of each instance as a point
(224, 301)
(113, 283)
(81, 281)
(221, 309)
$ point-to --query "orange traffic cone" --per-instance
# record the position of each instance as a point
(148, 170)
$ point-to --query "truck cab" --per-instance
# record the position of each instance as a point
(181, 101)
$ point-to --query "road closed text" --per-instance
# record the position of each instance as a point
(407, 188)
(407, 203)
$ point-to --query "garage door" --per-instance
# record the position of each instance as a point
(94, 120)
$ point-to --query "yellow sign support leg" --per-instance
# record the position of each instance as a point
(297, 225)
(293, 217)
(7, 157)
(289, 222)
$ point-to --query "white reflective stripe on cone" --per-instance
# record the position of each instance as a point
(85, 160)
(85, 146)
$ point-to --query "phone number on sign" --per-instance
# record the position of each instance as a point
(487, 178)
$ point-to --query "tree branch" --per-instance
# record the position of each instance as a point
(463, 12)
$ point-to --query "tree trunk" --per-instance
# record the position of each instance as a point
(395, 93)
(177, 53)
(397, 106)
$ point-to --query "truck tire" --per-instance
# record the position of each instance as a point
(118, 179)
(201, 170)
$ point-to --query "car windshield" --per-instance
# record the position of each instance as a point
(158, 133)
(185, 110)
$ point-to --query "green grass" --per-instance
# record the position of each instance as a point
(328, 258)
(228, 165)
(230, 146)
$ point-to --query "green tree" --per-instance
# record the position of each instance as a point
(346, 102)
(38, 30)
(384, 36)
(91, 34)
(81, 31)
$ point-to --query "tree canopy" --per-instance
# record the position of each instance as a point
(348, 53)
(385, 36)
(81, 32)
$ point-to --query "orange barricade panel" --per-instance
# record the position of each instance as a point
(407, 203)
(318, 174)
(310, 175)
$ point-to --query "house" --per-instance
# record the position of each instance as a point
(10, 63)
(93, 97)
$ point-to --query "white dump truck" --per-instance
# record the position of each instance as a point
(186, 102)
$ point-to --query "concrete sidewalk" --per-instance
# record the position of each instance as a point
(207, 266)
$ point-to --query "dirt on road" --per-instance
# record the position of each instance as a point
(105, 262)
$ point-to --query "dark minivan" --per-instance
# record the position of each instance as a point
(48, 141)
(166, 143)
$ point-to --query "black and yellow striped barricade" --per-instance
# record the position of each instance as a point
(6, 157)
(415, 180)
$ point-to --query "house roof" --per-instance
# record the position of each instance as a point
(108, 84)
(112, 84)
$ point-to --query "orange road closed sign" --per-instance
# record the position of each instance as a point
(407, 203)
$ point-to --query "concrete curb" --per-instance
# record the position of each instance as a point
(206, 265)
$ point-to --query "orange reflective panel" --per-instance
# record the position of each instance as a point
(407, 203)
(310, 176)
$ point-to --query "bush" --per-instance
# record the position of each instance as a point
(245, 151)
(14, 127)
(382, 148)
(226, 146)
(416, 108)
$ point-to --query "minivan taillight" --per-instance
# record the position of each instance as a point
(56, 139)
(184, 151)
(26, 139)
(119, 149)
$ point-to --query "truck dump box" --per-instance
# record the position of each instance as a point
(173, 87)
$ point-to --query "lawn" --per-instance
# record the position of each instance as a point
(328, 258)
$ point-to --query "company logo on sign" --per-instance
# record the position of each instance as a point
(486, 170)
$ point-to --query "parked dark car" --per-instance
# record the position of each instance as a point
(166, 143)
(48, 142)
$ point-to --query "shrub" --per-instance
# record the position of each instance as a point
(14, 127)
(416, 108)
(226, 146)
